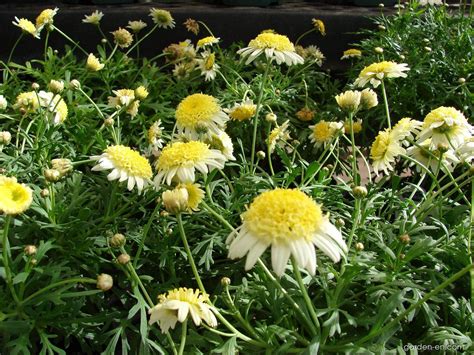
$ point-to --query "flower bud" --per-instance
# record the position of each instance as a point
(381, 5)
(359, 191)
(52, 175)
(74, 84)
(105, 282)
(164, 213)
(5, 137)
(339, 223)
(368, 99)
(461, 80)
(123, 259)
(225, 281)
(109, 122)
(382, 27)
(117, 240)
(35, 86)
(443, 147)
(169, 231)
(141, 93)
(402, 57)
(30, 250)
(33, 261)
(56, 86)
(349, 100)
(402, 256)
(44, 193)
(103, 40)
(359, 246)
(378, 50)
(3, 103)
(64, 166)
(261, 154)
(428, 49)
(426, 40)
(404, 239)
(175, 200)
(271, 117)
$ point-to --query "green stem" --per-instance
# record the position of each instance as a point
(385, 101)
(14, 47)
(6, 258)
(59, 283)
(92, 102)
(236, 332)
(111, 54)
(217, 215)
(190, 255)
(438, 289)
(355, 222)
(469, 241)
(355, 175)
(141, 40)
(304, 291)
(70, 40)
(257, 111)
(184, 331)
(46, 46)
(145, 234)
(304, 34)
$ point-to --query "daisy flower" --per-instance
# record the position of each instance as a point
(349, 100)
(242, 111)
(208, 66)
(376, 72)
(136, 26)
(279, 135)
(124, 98)
(466, 151)
(184, 197)
(46, 18)
(154, 137)
(368, 99)
(351, 53)
(126, 164)
(430, 158)
(3, 102)
(275, 47)
(55, 104)
(445, 125)
(177, 304)
(319, 25)
(207, 41)
(94, 18)
(222, 142)
(93, 63)
(26, 26)
(181, 160)
(122, 38)
(324, 132)
(405, 129)
(162, 18)
(200, 114)
(27, 101)
(292, 224)
(15, 198)
(385, 148)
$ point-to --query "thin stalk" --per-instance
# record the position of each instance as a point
(190, 255)
(304, 34)
(355, 175)
(46, 45)
(385, 101)
(469, 242)
(184, 331)
(257, 111)
(304, 291)
(136, 278)
(111, 54)
(14, 47)
(141, 40)
(355, 223)
(70, 40)
(92, 102)
(217, 215)
(6, 258)
(145, 234)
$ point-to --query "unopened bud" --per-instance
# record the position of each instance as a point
(105, 282)
(402, 256)
(225, 281)
(22, 111)
(426, 40)
(52, 175)
(404, 239)
(359, 191)
(443, 147)
(35, 86)
(164, 213)
(56, 86)
(64, 166)
(461, 80)
(381, 5)
(261, 154)
(44, 193)
(359, 246)
(382, 27)
(117, 240)
(34, 261)
(109, 122)
(175, 200)
(401, 56)
(5, 137)
(30, 250)
(74, 84)
(271, 117)
(339, 223)
(378, 50)
(330, 166)
(428, 49)
(325, 169)
(169, 231)
(123, 259)
(103, 40)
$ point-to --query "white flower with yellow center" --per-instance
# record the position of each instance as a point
(385, 148)
(351, 53)
(223, 143)
(349, 100)
(405, 129)
(55, 104)
(325, 132)
(154, 137)
(275, 47)
(242, 111)
(199, 114)
(292, 224)
(26, 26)
(208, 66)
(46, 18)
(447, 126)
(181, 160)
(178, 304)
(184, 197)
(429, 158)
(15, 198)
(126, 164)
(28, 101)
(376, 72)
(124, 98)
(94, 18)
(207, 41)
(136, 26)
(162, 18)
(466, 151)
(93, 63)
(279, 135)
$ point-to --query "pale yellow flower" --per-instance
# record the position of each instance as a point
(136, 26)
(26, 26)
(376, 72)
(122, 37)
(94, 18)
(93, 63)
(15, 198)
(162, 18)
(351, 53)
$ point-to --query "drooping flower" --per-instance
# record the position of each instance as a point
(207, 41)
(191, 25)
(274, 46)
(184, 197)
(223, 143)
(46, 18)
(141, 93)
(324, 132)
(154, 138)
(242, 111)
(445, 125)
(279, 135)
(124, 98)
(27, 101)
(93, 63)
(94, 18)
(466, 151)
(26, 26)
(368, 99)
(126, 164)
(313, 53)
(178, 304)
(319, 25)
(136, 26)
(376, 72)
(162, 18)
(385, 148)
(292, 224)
(200, 114)
(122, 37)
(208, 66)
(181, 159)
(15, 198)
(55, 104)
(351, 53)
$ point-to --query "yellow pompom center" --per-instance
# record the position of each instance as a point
(197, 110)
(130, 161)
(15, 198)
(182, 154)
(272, 40)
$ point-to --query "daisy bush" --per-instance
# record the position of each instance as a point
(237, 199)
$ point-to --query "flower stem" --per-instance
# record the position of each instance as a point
(385, 101)
(217, 215)
(309, 303)
(355, 222)
(184, 330)
(6, 257)
(70, 40)
(355, 175)
(14, 47)
(190, 255)
(469, 241)
(145, 234)
(141, 40)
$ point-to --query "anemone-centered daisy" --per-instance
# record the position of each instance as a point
(275, 47)
(385, 148)
(178, 304)
(15, 198)
(198, 114)
(182, 159)
(376, 72)
(292, 224)
(324, 132)
(445, 125)
(242, 111)
(126, 164)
